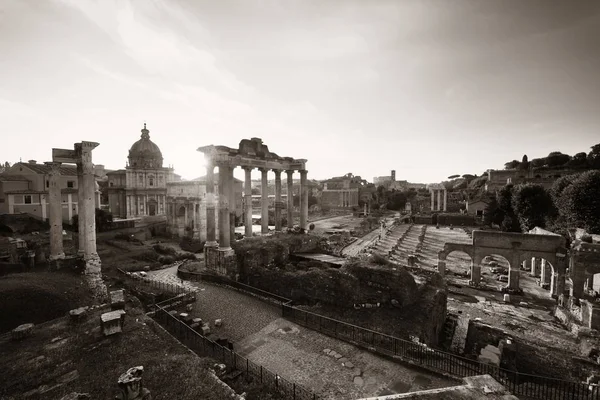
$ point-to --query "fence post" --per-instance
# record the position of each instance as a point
(294, 388)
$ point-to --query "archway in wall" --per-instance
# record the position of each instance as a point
(494, 269)
(458, 262)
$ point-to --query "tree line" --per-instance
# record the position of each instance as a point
(557, 159)
(573, 201)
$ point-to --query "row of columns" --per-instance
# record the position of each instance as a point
(227, 203)
(134, 203)
(439, 199)
(86, 204)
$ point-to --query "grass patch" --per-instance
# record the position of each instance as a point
(39, 296)
(58, 349)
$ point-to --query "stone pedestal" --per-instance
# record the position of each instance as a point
(117, 299)
(78, 314)
(22, 331)
(131, 385)
(535, 267)
(545, 273)
(112, 322)
(221, 261)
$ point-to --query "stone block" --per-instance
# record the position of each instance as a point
(183, 316)
(22, 331)
(173, 313)
(112, 322)
(117, 299)
(507, 298)
(189, 307)
(197, 321)
(205, 330)
(78, 314)
(195, 326)
(218, 322)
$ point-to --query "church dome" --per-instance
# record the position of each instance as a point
(145, 153)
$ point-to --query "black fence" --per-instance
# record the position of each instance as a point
(528, 386)
(250, 371)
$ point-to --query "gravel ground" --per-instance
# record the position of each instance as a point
(242, 315)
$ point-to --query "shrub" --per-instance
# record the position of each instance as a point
(379, 259)
(185, 256)
(191, 245)
(166, 260)
(165, 250)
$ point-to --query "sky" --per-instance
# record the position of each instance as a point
(429, 88)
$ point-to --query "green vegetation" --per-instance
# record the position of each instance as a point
(556, 159)
(103, 220)
(573, 201)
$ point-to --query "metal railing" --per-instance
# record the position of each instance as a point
(529, 386)
(250, 371)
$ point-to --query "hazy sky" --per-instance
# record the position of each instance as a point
(428, 88)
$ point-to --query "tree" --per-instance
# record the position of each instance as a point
(469, 177)
(579, 160)
(396, 201)
(557, 159)
(524, 163)
(538, 162)
(255, 191)
(493, 214)
(579, 201)
(593, 157)
(512, 164)
(532, 205)
(510, 222)
(453, 176)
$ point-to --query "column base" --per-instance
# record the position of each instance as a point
(54, 257)
(221, 261)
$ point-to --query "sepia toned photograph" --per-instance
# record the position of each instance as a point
(299, 199)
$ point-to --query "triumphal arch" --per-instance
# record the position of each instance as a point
(250, 154)
(517, 249)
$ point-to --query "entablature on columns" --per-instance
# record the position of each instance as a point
(251, 153)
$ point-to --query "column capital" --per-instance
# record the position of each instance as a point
(303, 171)
(277, 171)
(290, 171)
(263, 170)
(247, 168)
(54, 166)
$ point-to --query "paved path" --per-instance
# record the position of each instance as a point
(296, 353)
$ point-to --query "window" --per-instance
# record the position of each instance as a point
(151, 181)
(47, 184)
(70, 184)
(27, 199)
(479, 213)
(111, 184)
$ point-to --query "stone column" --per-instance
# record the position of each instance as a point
(303, 200)
(365, 209)
(211, 240)
(589, 282)
(290, 198)
(278, 204)
(89, 200)
(55, 199)
(445, 199)
(248, 200)
(546, 272)
(232, 204)
(264, 202)
(137, 202)
(432, 192)
(81, 231)
(224, 223)
(186, 222)
(514, 271)
(534, 267)
(439, 200)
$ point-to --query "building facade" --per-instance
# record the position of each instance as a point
(341, 192)
(187, 203)
(140, 189)
(24, 189)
